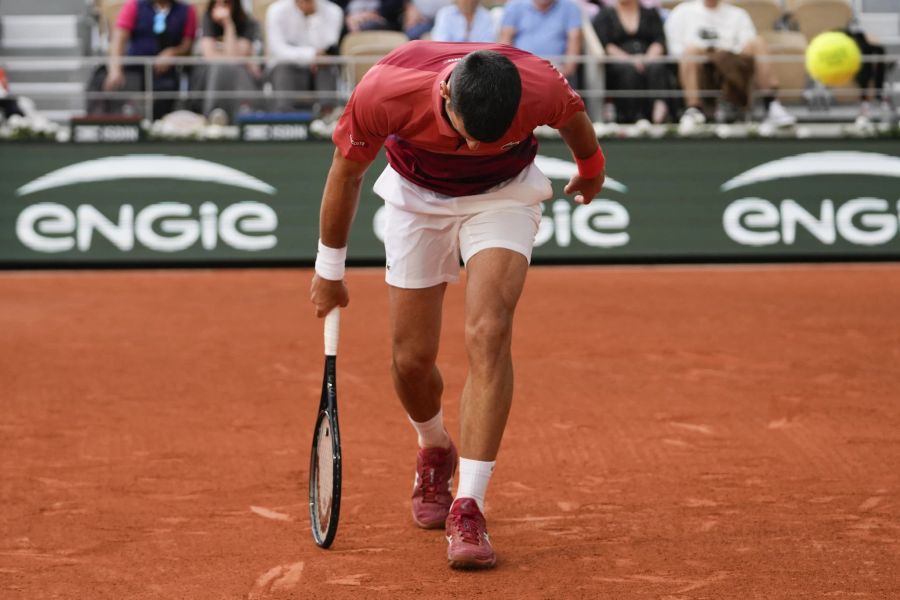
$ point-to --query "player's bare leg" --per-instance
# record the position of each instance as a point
(496, 277)
(415, 334)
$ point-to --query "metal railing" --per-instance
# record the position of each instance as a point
(593, 91)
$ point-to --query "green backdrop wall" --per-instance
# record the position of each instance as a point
(666, 200)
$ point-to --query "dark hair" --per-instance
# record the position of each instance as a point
(237, 15)
(485, 89)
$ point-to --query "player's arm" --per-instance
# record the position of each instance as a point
(339, 203)
(578, 133)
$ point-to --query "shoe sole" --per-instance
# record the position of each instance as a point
(470, 564)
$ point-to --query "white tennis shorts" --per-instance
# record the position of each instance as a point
(426, 233)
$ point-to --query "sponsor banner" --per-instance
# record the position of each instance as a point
(106, 130)
(184, 203)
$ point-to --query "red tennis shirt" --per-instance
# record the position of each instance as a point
(398, 104)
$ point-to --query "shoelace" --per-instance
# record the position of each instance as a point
(468, 528)
(428, 486)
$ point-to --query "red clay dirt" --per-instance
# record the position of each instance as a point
(677, 433)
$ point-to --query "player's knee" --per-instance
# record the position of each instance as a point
(488, 336)
(409, 364)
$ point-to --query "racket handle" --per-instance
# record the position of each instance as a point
(332, 330)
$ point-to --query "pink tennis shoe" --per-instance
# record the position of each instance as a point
(432, 492)
(470, 546)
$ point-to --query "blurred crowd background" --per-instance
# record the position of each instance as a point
(659, 61)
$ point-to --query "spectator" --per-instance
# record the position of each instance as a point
(547, 28)
(635, 35)
(297, 33)
(9, 106)
(870, 77)
(227, 32)
(464, 21)
(725, 35)
(160, 28)
(418, 18)
(364, 15)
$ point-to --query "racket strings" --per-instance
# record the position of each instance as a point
(325, 475)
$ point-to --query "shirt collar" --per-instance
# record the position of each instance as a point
(437, 102)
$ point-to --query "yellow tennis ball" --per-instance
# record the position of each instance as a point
(832, 58)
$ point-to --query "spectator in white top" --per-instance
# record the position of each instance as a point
(724, 34)
(465, 21)
(298, 32)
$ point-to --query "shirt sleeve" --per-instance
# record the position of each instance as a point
(603, 26)
(746, 30)
(511, 15)
(440, 33)
(573, 16)
(190, 25)
(364, 125)
(674, 30)
(334, 25)
(277, 45)
(655, 33)
(127, 16)
(560, 102)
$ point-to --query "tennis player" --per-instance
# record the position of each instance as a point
(456, 121)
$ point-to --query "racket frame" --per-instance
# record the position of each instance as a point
(327, 410)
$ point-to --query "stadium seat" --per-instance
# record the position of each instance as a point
(260, 7)
(791, 74)
(815, 16)
(764, 13)
(370, 44)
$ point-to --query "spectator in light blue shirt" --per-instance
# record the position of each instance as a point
(547, 28)
(464, 21)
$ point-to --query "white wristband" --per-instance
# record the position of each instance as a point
(330, 262)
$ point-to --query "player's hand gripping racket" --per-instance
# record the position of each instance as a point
(325, 459)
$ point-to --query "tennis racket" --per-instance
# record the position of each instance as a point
(325, 458)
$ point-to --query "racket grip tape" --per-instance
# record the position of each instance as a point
(332, 330)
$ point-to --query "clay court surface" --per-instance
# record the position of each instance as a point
(677, 433)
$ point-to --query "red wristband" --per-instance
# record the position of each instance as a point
(592, 166)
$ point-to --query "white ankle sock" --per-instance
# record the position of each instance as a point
(432, 433)
(474, 476)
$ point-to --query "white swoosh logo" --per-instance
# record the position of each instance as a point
(145, 166)
(556, 168)
(819, 163)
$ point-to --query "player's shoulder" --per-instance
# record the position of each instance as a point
(427, 55)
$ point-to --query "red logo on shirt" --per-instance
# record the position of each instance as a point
(509, 145)
(356, 142)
